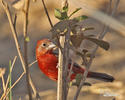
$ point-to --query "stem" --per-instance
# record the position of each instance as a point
(60, 68)
(8, 90)
(5, 6)
(47, 14)
(62, 86)
(4, 89)
(8, 78)
(13, 29)
(10, 81)
(93, 53)
(26, 9)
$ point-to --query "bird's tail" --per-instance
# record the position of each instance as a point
(101, 76)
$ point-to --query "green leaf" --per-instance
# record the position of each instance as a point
(64, 16)
(27, 39)
(80, 18)
(65, 9)
(61, 15)
(57, 13)
(77, 9)
(103, 44)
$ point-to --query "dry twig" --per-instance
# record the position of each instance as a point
(47, 14)
(62, 82)
(92, 56)
(5, 6)
(8, 90)
(3, 81)
(26, 9)
(14, 60)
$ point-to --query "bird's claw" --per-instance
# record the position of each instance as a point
(57, 66)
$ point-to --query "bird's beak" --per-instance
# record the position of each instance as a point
(51, 46)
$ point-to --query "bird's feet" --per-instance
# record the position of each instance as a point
(57, 66)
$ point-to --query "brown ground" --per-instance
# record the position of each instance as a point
(111, 61)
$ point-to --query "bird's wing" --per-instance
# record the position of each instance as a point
(75, 64)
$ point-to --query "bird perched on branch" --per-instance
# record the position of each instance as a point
(47, 62)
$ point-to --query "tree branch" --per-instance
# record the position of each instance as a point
(47, 14)
(93, 54)
(26, 10)
(13, 29)
(8, 90)
(5, 6)
(61, 88)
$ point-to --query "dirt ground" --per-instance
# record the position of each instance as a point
(111, 61)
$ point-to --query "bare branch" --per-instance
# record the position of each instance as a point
(92, 56)
(10, 71)
(61, 88)
(15, 19)
(47, 14)
(8, 90)
(3, 81)
(26, 9)
(2, 72)
(36, 94)
(5, 6)
(32, 63)
(3, 97)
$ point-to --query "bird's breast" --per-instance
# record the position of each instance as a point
(47, 63)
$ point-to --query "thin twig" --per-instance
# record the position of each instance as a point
(3, 81)
(32, 63)
(26, 10)
(70, 71)
(92, 57)
(69, 75)
(34, 90)
(47, 14)
(8, 75)
(14, 22)
(5, 6)
(11, 71)
(8, 90)
(115, 7)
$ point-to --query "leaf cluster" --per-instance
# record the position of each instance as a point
(76, 36)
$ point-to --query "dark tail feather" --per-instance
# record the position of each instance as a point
(101, 76)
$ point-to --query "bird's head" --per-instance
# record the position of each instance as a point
(44, 46)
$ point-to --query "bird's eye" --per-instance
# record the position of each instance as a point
(44, 44)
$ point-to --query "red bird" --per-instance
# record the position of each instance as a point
(48, 61)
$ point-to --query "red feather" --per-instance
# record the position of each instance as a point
(47, 62)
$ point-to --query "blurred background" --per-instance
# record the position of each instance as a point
(111, 61)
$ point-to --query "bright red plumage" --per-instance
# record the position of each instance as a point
(47, 62)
